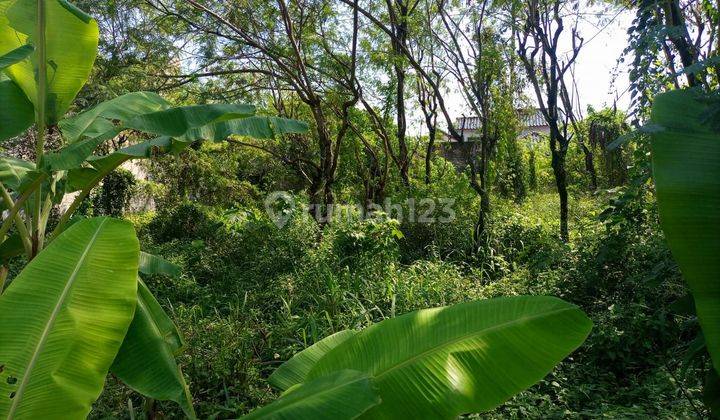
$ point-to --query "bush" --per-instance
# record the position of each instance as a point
(187, 220)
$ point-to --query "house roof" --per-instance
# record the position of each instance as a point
(528, 118)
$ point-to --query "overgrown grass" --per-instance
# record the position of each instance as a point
(253, 294)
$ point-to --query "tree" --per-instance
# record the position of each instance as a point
(672, 43)
(546, 70)
(296, 51)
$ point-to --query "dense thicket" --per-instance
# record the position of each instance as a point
(571, 212)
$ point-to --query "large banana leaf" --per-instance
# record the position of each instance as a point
(295, 370)
(146, 360)
(71, 47)
(338, 396)
(64, 318)
(686, 169)
(470, 357)
(257, 127)
(17, 112)
(175, 122)
(97, 119)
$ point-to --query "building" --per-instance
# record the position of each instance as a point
(533, 126)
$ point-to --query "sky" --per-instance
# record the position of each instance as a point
(600, 79)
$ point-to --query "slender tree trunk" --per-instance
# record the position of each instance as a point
(399, 44)
(402, 125)
(560, 172)
(321, 191)
(478, 181)
(428, 153)
(590, 166)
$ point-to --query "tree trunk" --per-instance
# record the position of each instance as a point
(399, 44)
(321, 190)
(402, 125)
(590, 167)
(478, 181)
(428, 153)
(558, 165)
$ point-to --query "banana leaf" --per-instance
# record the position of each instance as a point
(470, 357)
(686, 170)
(64, 319)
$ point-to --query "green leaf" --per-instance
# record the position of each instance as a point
(295, 370)
(64, 318)
(71, 47)
(152, 264)
(99, 119)
(686, 169)
(14, 172)
(79, 178)
(470, 357)
(15, 56)
(256, 127)
(175, 122)
(146, 360)
(340, 395)
(17, 112)
(73, 155)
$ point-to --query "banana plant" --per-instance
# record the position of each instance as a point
(430, 364)
(79, 309)
(686, 169)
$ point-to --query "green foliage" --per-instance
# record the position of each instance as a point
(510, 171)
(146, 359)
(113, 197)
(72, 316)
(58, 343)
(600, 130)
(185, 221)
(456, 351)
(244, 309)
(341, 394)
(687, 182)
(69, 48)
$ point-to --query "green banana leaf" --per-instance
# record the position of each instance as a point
(14, 172)
(686, 170)
(295, 370)
(97, 119)
(64, 318)
(341, 395)
(470, 357)
(175, 122)
(17, 112)
(71, 47)
(73, 155)
(152, 264)
(146, 360)
(15, 56)
(80, 178)
(257, 127)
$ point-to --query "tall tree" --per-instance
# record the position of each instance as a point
(538, 47)
(291, 48)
